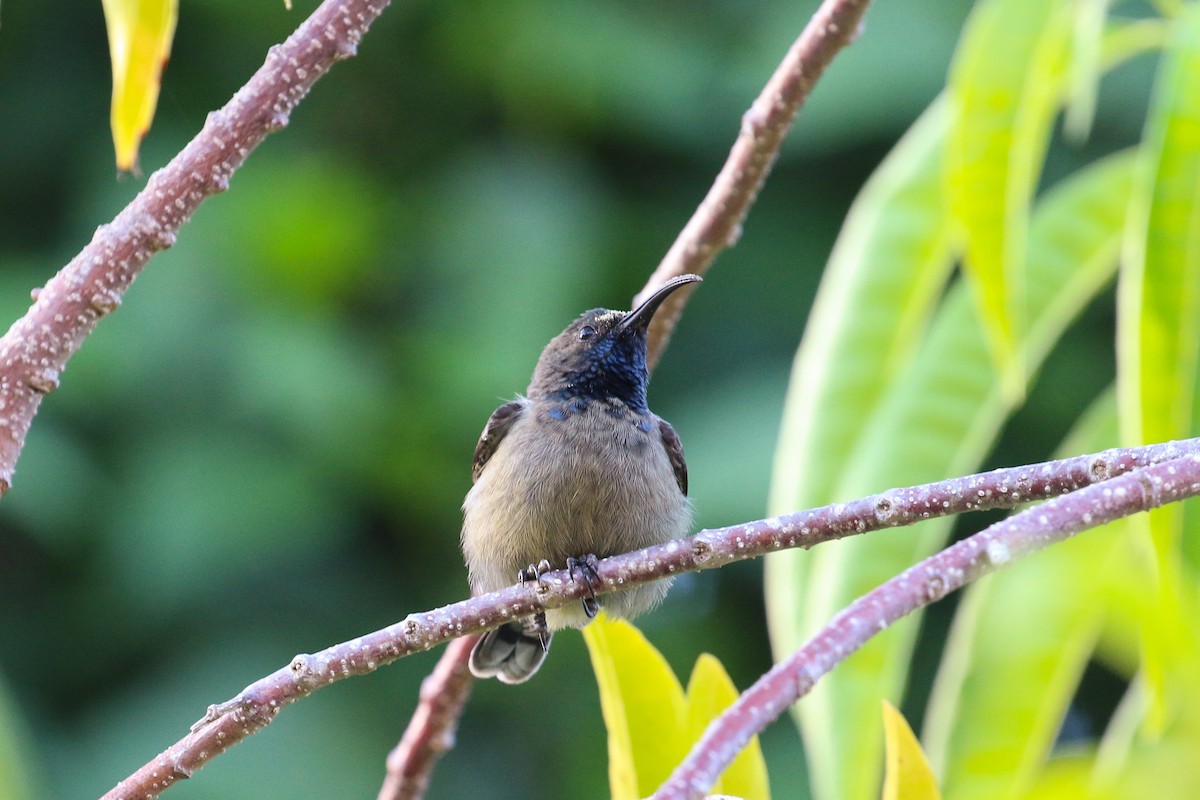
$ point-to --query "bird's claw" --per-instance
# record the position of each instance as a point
(541, 630)
(585, 567)
(534, 572)
(536, 625)
(581, 569)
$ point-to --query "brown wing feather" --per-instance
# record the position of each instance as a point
(674, 447)
(497, 425)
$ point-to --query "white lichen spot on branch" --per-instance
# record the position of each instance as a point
(998, 552)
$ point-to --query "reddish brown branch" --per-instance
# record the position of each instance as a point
(430, 732)
(929, 581)
(717, 222)
(36, 348)
(257, 704)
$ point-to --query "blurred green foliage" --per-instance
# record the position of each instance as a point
(893, 385)
(263, 451)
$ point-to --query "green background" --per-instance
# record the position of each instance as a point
(263, 452)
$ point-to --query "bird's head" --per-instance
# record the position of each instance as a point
(602, 354)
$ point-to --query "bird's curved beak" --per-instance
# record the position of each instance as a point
(640, 317)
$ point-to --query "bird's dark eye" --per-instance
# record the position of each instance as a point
(586, 332)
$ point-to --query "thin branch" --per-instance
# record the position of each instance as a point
(430, 732)
(1021, 534)
(257, 704)
(717, 222)
(36, 348)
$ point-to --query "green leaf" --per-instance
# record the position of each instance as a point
(886, 271)
(710, 691)
(1085, 68)
(1004, 90)
(1112, 754)
(885, 274)
(1159, 316)
(1168, 8)
(643, 706)
(1167, 771)
(1160, 281)
(938, 418)
(907, 775)
(863, 414)
(16, 770)
(139, 42)
(1004, 684)
(1125, 40)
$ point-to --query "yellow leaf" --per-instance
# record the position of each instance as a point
(710, 691)
(139, 42)
(643, 706)
(651, 724)
(907, 776)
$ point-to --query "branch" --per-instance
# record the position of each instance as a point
(430, 732)
(230, 722)
(1021, 534)
(36, 348)
(717, 222)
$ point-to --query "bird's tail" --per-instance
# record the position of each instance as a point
(512, 653)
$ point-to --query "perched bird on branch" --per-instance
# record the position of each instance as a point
(577, 469)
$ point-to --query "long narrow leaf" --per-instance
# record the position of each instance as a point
(1159, 315)
(940, 417)
(1160, 281)
(643, 706)
(1004, 89)
(887, 269)
(1084, 69)
(1019, 644)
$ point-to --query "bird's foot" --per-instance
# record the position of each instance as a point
(537, 626)
(585, 567)
(534, 572)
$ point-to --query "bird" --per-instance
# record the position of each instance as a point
(577, 469)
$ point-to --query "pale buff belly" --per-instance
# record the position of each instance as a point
(554, 489)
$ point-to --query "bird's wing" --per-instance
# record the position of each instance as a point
(674, 447)
(497, 425)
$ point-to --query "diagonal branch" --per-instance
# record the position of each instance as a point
(35, 350)
(1021, 534)
(430, 732)
(717, 222)
(230, 722)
